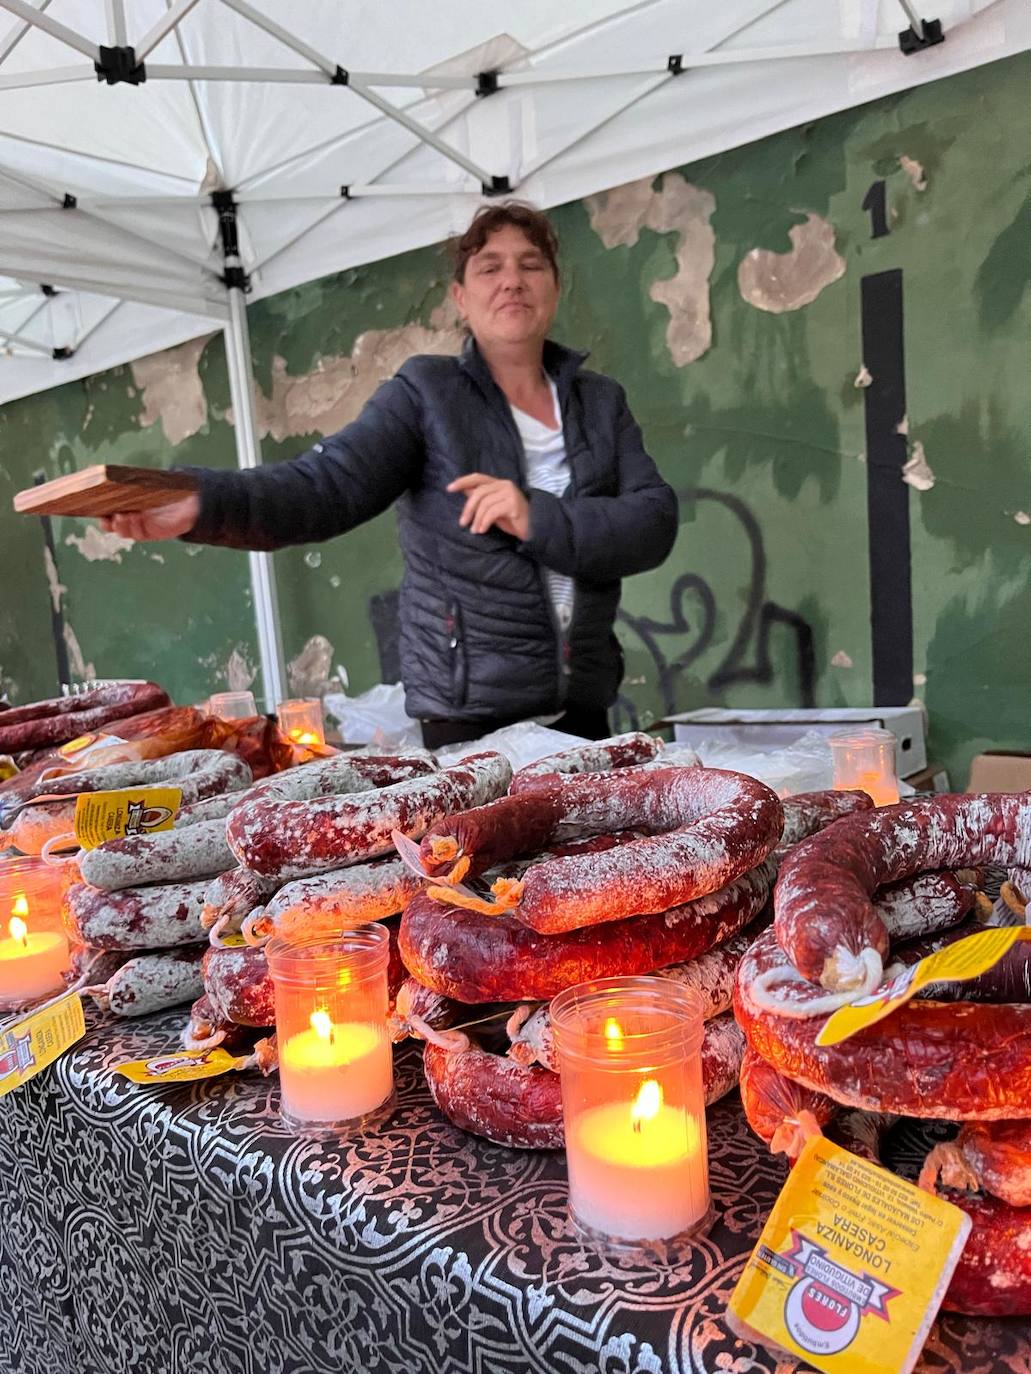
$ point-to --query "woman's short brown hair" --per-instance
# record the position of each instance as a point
(490, 218)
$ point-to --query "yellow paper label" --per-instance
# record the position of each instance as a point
(103, 816)
(180, 1066)
(81, 748)
(30, 1043)
(851, 1266)
(234, 941)
(8, 767)
(967, 958)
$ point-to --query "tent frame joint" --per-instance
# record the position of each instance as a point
(911, 42)
(675, 64)
(341, 77)
(60, 355)
(47, 289)
(497, 186)
(345, 193)
(486, 84)
(68, 201)
(119, 65)
(234, 275)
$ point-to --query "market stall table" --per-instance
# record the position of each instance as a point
(185, 1229)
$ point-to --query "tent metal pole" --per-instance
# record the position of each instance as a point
(248, 455)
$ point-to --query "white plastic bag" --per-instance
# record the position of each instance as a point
(375, 717)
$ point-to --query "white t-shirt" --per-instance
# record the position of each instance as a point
(548, 470)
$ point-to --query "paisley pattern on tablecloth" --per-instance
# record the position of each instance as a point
(184, 1230)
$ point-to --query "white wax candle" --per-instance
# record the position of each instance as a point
(32, 965)
(335, 1072)
(648, 1182)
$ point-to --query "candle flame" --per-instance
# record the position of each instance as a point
(19, 930)
(647, 1103)
(20, 906)
(322, 1025)
(304, 737)
(614, 1034)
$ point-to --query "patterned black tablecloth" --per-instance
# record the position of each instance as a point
(183, 1230)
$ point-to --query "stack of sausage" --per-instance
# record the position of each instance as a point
(605, 863)
(311, 854)
(958, 1052)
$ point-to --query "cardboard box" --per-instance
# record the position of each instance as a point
(933, 778)
(1000, 772)
(775, 729)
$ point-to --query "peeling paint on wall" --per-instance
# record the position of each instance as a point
(1022, 517)
(97, 545)
(310, 674)
(618, 216)
(916, 470)
(86, 672)
(786, 281)
(914, 171)
(56, 586)
(333, 393)
(841, 660)
(239, 672)
(172, 390)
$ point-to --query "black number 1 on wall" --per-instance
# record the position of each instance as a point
(876, 201)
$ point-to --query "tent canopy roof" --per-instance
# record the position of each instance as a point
(348, 132)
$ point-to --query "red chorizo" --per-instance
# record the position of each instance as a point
(957, 1061)
(293, 839)
(703, 828)
(604, 755)
(43, 723)
(825, 921)
(778, 1109)
(806, 813)
(473, 958)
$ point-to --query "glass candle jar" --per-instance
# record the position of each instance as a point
(633, 1108)
(301, 720)
(335, 1060)
(232, 706)
(34, 950)
(865, 759)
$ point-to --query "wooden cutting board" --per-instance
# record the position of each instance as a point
(103, 490)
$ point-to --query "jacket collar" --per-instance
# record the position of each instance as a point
(560, 363)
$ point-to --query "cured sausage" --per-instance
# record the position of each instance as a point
(520, 1106)
(206, 1028)
(42, 723)
(472, 958)
(957, 1061)
(232, 897)
(825, 921)
(239, 986)
(138, 917)
(417, 1009)
(927, 903)
(703, 827)
(806, 813)
(599, 756)
(293, 839)
(991, 1156)
(993, 1277)
(780, 1111)
(198, 773)
(168, 856)
(151, 982)
(322, 905)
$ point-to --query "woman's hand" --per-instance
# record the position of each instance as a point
(493, 501)
(159, 522)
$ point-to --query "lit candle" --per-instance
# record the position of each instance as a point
(335, 1071)
(32, 964)
(633, 1108)
(865, 759)
(637, 1171)
(335, 1055)
(301, 720)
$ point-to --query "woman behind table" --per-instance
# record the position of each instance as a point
(524, 495)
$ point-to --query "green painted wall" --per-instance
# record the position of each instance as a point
(767, 423)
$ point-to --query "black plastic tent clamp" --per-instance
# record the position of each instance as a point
(341, 77)
(675, 64)
(59, 355)
(47, 289)
(117, 65)
(486, 83)
(234, 276)
(69, 202)
(497, 186)
(910, 41)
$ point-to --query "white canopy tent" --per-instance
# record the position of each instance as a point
(161, 159)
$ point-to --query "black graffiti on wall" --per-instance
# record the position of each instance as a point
(693, 611)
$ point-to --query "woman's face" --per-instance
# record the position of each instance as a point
(510, 294)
